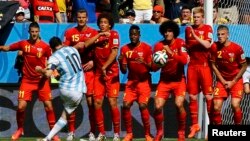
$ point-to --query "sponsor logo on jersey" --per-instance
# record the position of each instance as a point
(44, 8)
(88, 35)
(39, 49)
(140, 54)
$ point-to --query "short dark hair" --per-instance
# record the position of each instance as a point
(107, 16)
(34, 24)
(54, 42)
(82, 11)
(186, 7)
(221, 27)
(170, 25)
(136, 27)
(130, 12)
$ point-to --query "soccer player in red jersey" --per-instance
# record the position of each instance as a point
(172, 78)
(76, 37)
(229, 64)
(199, 72)
(106, 81)
(35, 53)
(45, 11)
(136, 58)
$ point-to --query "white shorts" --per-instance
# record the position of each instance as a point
(246, 75)
(71, 99)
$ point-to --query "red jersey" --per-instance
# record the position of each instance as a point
(34, 55)
(45, 10)
(137, 71)
(198, 53)
(228, 59)
(73, 36)
(103, 48)
(174, 68)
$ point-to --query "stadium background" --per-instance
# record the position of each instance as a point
(35, 123)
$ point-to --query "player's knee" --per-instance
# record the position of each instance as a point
(209, 96)
(113, 103)
(158, 107)
(98, 103)
(21, 107)
(48, 105)
(126, 105)
(235, 105)
(179, 104)
(90, 102)
(217, 107)
(142, 106)
(192, 97)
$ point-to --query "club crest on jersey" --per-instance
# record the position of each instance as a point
(39, 54)
(231, 55)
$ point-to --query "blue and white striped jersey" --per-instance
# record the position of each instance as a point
(68, 62)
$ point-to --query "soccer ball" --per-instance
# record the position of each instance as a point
(160, 58)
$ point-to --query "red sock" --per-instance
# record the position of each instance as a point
(193, 106)
(145, 120)
(217, 118)
(116, 119)
(210, 109)
(99, 120)
(158, 116)
(92, 119)
(182, 120)
(237, 116)
(71, 121)
(50, 117)
(126, 114)
(20, 115)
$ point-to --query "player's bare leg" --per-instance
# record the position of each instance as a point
(20, 116)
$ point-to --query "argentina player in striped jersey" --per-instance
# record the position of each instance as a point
(246, 77)
(71, 82)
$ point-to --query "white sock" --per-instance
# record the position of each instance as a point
(57, 127)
